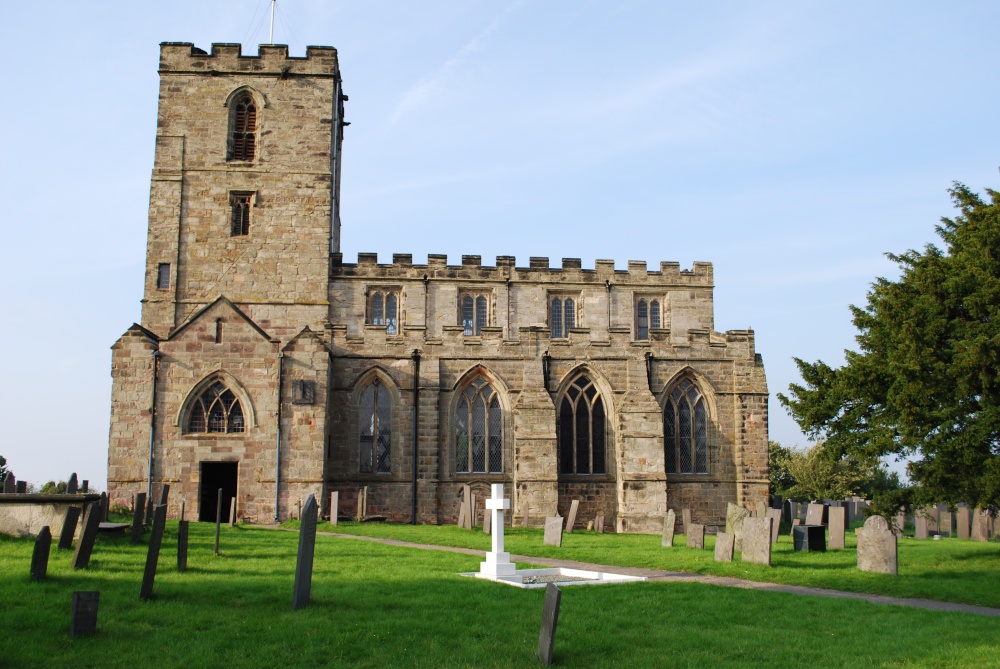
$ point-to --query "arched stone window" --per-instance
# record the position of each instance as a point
(216, 409)
(479, 430)
(685, 430)
(243, 128)
(582, 429)
(475, 313)
(375, 428)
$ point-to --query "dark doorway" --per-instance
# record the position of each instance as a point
(215, 475)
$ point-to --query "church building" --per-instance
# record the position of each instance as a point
(269, 365)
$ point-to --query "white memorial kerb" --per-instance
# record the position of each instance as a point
(497, 561)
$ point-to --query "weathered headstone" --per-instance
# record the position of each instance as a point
(138, 508)
(334, 507)
(9, 483)
(877, 550)
(487, 521)
(669, 523)
(686, 519)
(848, 512)
(981, 525)
(362, 509)
(149, 511)
(307, 550)
(932, 519)
(920, 525)
(40, 555)
(735, 515)
(945, 523)
(899, 522)
(164, 494)
(550, 619)
(599, 524)
(84, 615)
(724, 543)
(72, 485)
(814, 514)
(553, 531)
(218, 520)
(465, 515)
(809, 538)
(962, 521)
(757, 541)
(69, 528)
(761, 509)
(574, 507)
(696, 536)
(788, 511)
(22, 487)
(84, 547)
(775, 516)
(153, 552)
(795, 523)
(461, 514)
(85, 486)
(232, 512)
(527, 513)
(837, 526)
(104, 507)
(182, 545)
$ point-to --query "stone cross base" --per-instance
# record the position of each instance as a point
(496, 565)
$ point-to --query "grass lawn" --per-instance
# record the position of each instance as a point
(380, 606)
(953, 570)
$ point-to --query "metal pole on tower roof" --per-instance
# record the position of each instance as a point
(270, 34)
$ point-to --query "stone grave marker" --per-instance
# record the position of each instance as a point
(218, 520)
(590, 526)
(574, 507)
(944, 522)
(497, 560)
(837, 527)
(550, 619)
(848, 512)
(149, 511)
(182, 545)
(464, 521)
(232, 512)
(667, 541)
(735, 515)
(775, 516)
(696, 536)
(470, 516)
(686, 519)
(599, 524)
(85, 546)
(104, 507)
(778, 502)
(363, 504)
(9, 483)
(182, 510)
(809, 538)
(920, 525)
(757, 541)
(980, 525)
(724, 543)
(877, 547)
(72, 485)
(553, 531)
(899, 522)
(22, 487)
(795, 523)
(84, 616)
(932, 520)
(790, 510)
(153, 552)
(487, 521)
(40, 554)
(307, 550)
(85, 486)
(334, 507)
(527, 512)
(138, 507)
(814, 514)
(164, 493)
(69, 528)
(461, 513)
(962, 521)
(761, 509)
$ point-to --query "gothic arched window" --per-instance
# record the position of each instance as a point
(479, 430)
(243, 129)
(375, 423)
(582, 430)
(216, 409)
(685, 430)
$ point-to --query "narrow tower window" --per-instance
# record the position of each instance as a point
(240, 204)
(163, 276)
(243, 134)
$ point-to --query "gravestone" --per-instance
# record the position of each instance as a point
(920, 525)
(757, 541)
(487, 521)
(553, 531)
(9, 483)
(724, 543)
(761, 509)
(932, 520)
(104, 507)
(527, 512)
(899, 522)
(40, 555)
(945, 523)
(72, 485)
(735, 515)
(334, 507)
(363, 504)
(85, 486)
(232, 512)
(164, 493)
(980, 525)
(775, 516)
(22, 487)
(138, 508)
(667, 541)
(574, 507)
(837, 526)
(149, 511)
(497, 560)
(814, 514)
(778, 502)
(218, 520)
(962, 521)
(153, 552)
(848, 512)
(307, 550)
(550, 619)
(877, 550)
(809, 538)
(69, 528)
(465, 514)
(789, 510)
(795, 523)
(85, 546)
(470, 515)
(599, 524)
(686, 519)
(461, 513)
(84, 615)
(182, 545)
(182, 510)
(696, 536)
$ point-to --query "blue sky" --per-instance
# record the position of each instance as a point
(791, 144)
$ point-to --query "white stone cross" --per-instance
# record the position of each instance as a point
(497, 561)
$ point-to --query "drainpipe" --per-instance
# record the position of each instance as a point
(152, 423)
(426, 325)
(607, 284)
(416, 423)
(649, 370)
(277, 459)
(545, 370)
(510, 329)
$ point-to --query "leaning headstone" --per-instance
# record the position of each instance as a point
(962, 521)
(527, 513)
(809, 538)
(69, 527)
(9, 483)
(571, 520)
(461, 514)
(668, 529)
(550, 619)
(149, 511)
(795, 523)
(599, 524)
(724, 543)
(757, 541)
(686, 519)
(307, 550)
(40, 555)
(232, 512)
(164, 495)
(137, 510)
(470, 514)
(153, 553)
(877, 547)
(837, 526)
(814, 514)
(775, 516)
(22, 487)
(182, 545)
(84, 616)
(696, 536)
(84, 547)
(735, 515)
(334, 507)
(920, 525)
(553, 531)
(465, 519)
(72, 485)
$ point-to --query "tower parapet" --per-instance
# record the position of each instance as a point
(271, 59)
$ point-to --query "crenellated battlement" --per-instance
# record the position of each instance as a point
(271, 60)
(538, 269)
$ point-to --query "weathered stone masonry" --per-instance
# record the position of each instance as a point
(279, 311)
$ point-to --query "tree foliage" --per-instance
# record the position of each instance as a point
(3, 468)
(924, 382)
(53, 488)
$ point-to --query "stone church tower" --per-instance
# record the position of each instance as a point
(268, 367)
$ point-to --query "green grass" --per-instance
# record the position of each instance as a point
(951, 570)
(380, 606)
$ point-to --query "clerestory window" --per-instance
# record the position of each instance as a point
(582, 429)
(216, 410)
(243, 129)
(479, 430)
(562, 316)
(685, 430)
(383, 309)
(376, 429)
(647, 316)
(474, 308)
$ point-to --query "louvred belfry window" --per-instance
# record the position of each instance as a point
(243, 136)
(239, 216)
(685, 431)
(216, 410)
